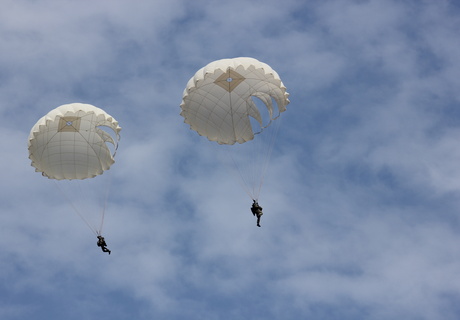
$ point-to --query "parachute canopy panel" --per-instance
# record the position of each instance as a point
(217, 101)
(69, 142)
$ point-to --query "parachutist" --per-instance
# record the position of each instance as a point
(217, 103)
(101, 243)
(256, 211)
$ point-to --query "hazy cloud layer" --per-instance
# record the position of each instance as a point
(361, 197)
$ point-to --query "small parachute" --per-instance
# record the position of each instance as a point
(69, 142)
(229, 101)
(73, 145)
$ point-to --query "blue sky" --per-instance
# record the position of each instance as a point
(361, 199)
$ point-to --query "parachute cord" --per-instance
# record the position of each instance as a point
(252, 175)
(241, 180)
(109, 183)
(96, 232)
(99, 231)
(269, 153)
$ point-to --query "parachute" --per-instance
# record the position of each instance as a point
(74, 142)
(68, 143)
(230, 101)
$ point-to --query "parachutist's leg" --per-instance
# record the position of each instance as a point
(104, 249)
(258, 220)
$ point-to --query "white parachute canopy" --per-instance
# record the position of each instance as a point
(232, 100)
(70, 143)
(217, 101)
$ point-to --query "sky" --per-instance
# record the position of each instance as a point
(361, 198)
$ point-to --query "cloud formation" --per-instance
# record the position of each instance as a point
(362, 194)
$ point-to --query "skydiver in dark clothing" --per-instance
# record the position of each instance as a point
(256, 211)
(101, 243)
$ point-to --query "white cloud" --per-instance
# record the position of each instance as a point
(360, 201)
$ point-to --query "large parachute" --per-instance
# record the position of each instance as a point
(217, 101)
(232, 100)
(70, 143)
